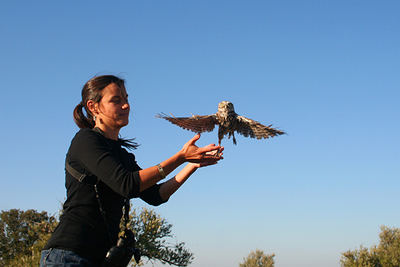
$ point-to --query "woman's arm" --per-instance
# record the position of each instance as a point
(173, 184)
(170, 186)
(92, 152)
(199, 156)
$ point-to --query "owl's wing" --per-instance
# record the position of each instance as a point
(196, 123)
(254, 129)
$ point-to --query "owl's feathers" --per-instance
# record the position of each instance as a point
(228, 121)
(196, 123)
(254, 129)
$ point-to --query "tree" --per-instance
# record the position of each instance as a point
(153, 234)
(258, 259)
(23, 235)
(386, 254)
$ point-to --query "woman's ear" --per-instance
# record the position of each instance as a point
(93, 107)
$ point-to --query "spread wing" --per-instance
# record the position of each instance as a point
(254, 129)
(196, 123)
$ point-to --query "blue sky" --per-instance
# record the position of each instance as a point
(326, 72)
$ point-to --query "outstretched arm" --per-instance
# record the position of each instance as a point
(173, 184)
(198, 156)
(170, 186)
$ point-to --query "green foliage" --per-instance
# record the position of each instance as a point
(153, 234)
(258, 259)
(386, 254)
(360, 258)
(22, 236)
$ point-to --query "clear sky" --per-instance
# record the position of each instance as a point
(326, 72)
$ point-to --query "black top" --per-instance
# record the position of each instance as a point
(82, 228)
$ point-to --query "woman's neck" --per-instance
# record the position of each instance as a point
(108, 132)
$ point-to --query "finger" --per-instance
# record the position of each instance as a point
(204, 164)
(213, 154)
(212, 157)
(209, 148)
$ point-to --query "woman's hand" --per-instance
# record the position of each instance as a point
(201, 156)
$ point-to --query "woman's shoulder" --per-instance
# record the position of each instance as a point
(86, 132)
(86, 136)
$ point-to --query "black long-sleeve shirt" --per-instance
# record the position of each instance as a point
(82, 228)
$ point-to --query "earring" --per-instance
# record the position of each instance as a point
(94, 118)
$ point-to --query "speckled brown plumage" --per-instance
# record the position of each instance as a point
(228, 121)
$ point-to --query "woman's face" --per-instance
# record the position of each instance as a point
(113, 108)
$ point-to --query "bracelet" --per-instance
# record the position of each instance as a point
(161, 171)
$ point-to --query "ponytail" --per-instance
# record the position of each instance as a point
(80, 119)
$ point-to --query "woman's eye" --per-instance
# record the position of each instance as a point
(116, 100)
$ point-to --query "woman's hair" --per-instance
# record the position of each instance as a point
(92, 90)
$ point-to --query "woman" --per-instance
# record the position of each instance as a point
(84, 235)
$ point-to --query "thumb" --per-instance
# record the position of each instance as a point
(194, 139)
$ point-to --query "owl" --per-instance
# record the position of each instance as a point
(228, 121)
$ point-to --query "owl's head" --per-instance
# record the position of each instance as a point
(226, 107)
